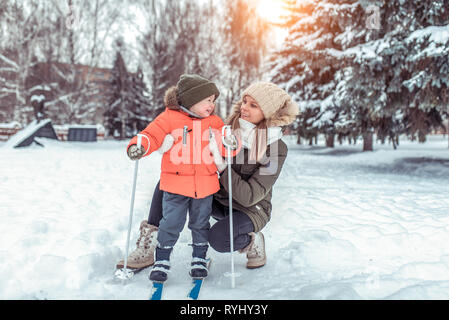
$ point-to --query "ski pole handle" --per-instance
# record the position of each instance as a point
(225, 132)
(139, 140)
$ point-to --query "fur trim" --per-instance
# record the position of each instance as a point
(171, 98)
(285, 115)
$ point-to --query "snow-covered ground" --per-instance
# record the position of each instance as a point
(345, 225)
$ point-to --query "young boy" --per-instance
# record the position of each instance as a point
(189, 176)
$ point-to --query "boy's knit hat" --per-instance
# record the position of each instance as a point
(276, 104)
(193, 88)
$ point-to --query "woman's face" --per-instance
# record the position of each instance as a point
(205, 107)
(250, 110)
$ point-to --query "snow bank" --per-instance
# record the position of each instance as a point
(345, 225)
(25, 133)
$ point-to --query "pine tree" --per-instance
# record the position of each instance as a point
(404, 81)
(309, 66)
(141, 111)
(426, 79)
(390, 79)
(118, 112)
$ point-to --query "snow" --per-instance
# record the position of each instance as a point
(361, 52)
(8, 61)
(345, 225)
(438, 36)
(97, 126)
(25, 133)
(37, 98)
(40, 88)
(10, 125)
(419, 80)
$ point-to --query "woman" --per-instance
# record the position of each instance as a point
(257, 120)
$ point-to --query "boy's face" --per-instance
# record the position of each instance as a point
(205, 107)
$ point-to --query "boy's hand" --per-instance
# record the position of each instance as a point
(166, 144)
(218, 159)
(135, 153)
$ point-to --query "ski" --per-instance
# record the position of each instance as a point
(195, 290)
(157, 288)
(156, 291)
(196, 285)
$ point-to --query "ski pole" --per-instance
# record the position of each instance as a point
(131, 209)
(226, 131)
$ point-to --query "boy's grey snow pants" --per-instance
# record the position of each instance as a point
(174, 214)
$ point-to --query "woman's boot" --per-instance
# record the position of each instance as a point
(143, 255)
(255, 251)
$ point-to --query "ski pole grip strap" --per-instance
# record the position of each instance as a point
(226, 135)
(139, 141)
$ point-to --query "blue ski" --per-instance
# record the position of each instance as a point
(156, 292)
(196, 287)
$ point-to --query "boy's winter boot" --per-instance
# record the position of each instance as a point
(161, 267)
(255, 251)
(143, 256)
(198, 267)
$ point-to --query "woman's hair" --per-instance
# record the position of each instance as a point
(259, 147)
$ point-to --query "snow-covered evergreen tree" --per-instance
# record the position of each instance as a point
(141, 111)
(129, 109)
(426, 79)
(307, 66)
(120, 103)
(401, 68)
(354, 79)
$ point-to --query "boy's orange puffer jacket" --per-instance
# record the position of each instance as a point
(187, 168)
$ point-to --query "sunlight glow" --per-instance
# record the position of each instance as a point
(270, 10)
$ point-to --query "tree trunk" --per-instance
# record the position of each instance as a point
(298, 140)
(123, 129)
(421, 137)
(330, 140)
(394, 144)
(368, 141)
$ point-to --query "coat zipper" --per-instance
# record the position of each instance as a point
(184, 142)
(184, 136)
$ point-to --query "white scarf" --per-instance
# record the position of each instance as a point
(247, 131)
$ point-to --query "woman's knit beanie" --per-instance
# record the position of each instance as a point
(276, 103)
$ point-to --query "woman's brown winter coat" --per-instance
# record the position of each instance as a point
(252, 184)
